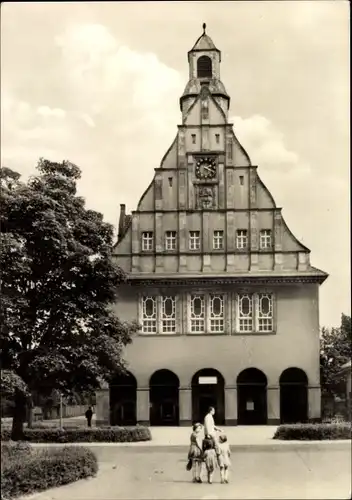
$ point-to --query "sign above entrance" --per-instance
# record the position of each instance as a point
(207, 380)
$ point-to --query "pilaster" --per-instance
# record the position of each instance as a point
(314, 403)
(253, 188)
(102, 407)
(182, 229)
(143, 405)
(230, 197)
(273, 395)
(231, 405)
(185, 405)
(135, 242)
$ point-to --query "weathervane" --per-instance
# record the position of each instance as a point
(204, 26)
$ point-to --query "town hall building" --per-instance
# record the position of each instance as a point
(225, 295)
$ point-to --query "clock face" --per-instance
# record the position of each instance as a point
(206, 168)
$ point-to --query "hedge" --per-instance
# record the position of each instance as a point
(313, 432)
(86, 435)
(25, 471)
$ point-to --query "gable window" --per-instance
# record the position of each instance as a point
(204, 67)
(147, 240)
(193, 138)
(170, 240)
(149, 316)
(216, 313)
(265, 239)
(255, 313)
(265, 312)
(241, 238)
(158, 314)
(197, 314)
(194, 240)
(218, 240)
(245, 313)
(168, 314)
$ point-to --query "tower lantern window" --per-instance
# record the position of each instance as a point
(204, 67)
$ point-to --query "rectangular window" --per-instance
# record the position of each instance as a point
(216, 314)
(265, 239)
(197, 314)
(149, 315)
(193, 138)
(218, 240)
(217, 138)
(241, 238)
(168, 314)
(245, 313)
(241, 180)
(147, 240)
(170, 240)
(194, 240)
(265, 312)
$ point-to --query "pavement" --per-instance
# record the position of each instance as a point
(298, 472)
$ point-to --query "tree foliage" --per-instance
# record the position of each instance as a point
(59, 282)
(335, 350)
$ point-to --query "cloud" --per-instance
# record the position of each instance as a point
(45, 111)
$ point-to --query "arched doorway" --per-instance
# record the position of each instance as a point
(208, 390)
(293, 396)
(123, 397)
(251, 397)
(163, 398)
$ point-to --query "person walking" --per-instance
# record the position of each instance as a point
(210, 430)
(89, 415)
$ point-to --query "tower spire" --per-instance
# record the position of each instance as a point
(204, 28)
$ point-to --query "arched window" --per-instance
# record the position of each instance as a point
(204, 68)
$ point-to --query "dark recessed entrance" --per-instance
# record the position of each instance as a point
(251, 397)
(293, 396)
(208, 390)
(123, 396)
(163, 398)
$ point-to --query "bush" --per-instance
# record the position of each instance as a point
(12, 449)
(313, 432)
(40, 469)
(79, 435)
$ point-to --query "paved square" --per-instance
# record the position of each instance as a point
(298, 472)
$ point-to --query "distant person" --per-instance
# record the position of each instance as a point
(195, 453)
(89, 415)
(224, 458)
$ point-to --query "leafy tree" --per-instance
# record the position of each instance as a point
(335, 350)
(59, 282)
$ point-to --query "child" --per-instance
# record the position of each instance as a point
(195, 454)
(209, 457)
(224, 458)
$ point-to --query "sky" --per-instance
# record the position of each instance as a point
(98, 83)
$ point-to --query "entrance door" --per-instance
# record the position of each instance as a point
(123, 400)
(163, 396)
(293, 396)
(208, 390)
(251, 395)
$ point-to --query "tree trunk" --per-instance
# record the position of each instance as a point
(30, 412)
(19, 416)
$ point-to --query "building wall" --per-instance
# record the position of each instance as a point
(295, 343)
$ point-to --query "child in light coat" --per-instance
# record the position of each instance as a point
(224, 458)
